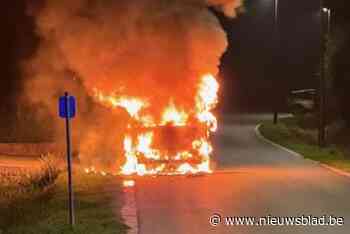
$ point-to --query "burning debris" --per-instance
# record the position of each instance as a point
(128, 183)
(156, 60)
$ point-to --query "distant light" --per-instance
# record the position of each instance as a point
(326, 10)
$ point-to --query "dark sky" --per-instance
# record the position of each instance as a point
(17, 43)
(251, 76)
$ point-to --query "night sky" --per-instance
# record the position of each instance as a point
(256, 77)
(18, 42)
(252, 76)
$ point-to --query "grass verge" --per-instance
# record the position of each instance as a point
(289, 134)
(45, 211)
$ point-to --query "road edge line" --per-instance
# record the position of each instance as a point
(328, 167)
(336, 170)
(260, 136)
(129, 211)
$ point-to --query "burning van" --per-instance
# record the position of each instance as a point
(177, 143)
(144, 75)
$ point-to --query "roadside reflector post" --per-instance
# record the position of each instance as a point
(67, 109)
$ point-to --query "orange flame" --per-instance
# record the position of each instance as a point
(206, 100)
(140, 149)
(130, 104)
(172, 115)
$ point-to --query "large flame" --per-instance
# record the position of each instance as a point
(130, 104)
(147, 60)
(140, 147)
(206, 100)
(172, 115)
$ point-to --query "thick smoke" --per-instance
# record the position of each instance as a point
(151, 49)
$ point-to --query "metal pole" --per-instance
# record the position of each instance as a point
(276, 15)
(275, 24)
(69, 163)
(329, 23)
(322, 88)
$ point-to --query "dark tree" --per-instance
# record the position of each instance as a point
(342, 78)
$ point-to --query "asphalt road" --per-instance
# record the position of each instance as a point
(252, 178)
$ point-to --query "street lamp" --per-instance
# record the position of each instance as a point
(275, 28)
(323, 86)
(328, 12)
(276, 13)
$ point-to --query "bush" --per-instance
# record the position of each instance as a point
(18, 188)
(21, 184)
(341, 82)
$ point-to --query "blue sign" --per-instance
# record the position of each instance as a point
(67, 102)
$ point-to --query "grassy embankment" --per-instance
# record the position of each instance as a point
(36, 203)
(294, 134)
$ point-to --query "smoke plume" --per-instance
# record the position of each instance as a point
(150, 49)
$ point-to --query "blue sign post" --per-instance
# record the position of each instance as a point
(67, 108)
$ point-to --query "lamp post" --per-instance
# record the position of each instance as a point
(322, 85)
(275, 31)
(328, 12)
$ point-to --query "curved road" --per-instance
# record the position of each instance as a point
(252, 178)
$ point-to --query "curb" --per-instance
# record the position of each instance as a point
(336, 170)
(330, 168)
(260, 136)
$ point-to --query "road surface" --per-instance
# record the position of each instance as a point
(252, 178)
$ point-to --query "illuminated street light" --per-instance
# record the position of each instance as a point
(328, 11)
(322, 85)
